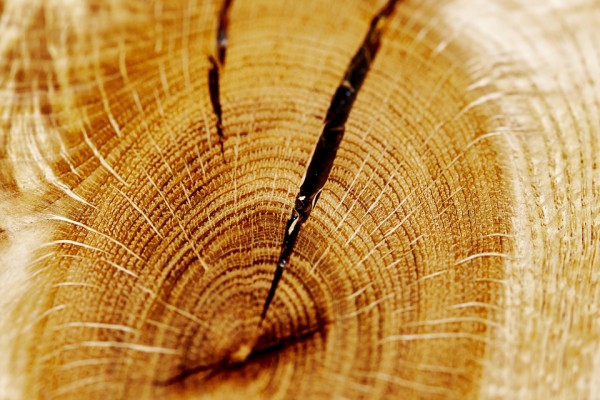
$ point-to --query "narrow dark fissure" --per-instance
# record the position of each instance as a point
(216, 65)
(324, 153)
(258, 353)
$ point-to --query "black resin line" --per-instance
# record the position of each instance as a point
(324, 153)
(215, 65)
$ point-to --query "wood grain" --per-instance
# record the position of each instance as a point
(453, 253)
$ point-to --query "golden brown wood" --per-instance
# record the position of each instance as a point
(454, 251)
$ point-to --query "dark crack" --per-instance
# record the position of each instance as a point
(217, 63)
(323, 156)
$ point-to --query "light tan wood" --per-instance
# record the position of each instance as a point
(454, 251)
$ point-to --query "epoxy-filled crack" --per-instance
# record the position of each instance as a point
(321, 161)
(216, 64)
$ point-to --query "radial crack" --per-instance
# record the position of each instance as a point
(216, 64)
(235, 361)
(321, 161)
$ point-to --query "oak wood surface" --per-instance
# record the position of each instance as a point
(454, 251)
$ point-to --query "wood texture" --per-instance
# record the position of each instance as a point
(454, 251)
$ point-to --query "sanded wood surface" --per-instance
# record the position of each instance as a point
(453, 252)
